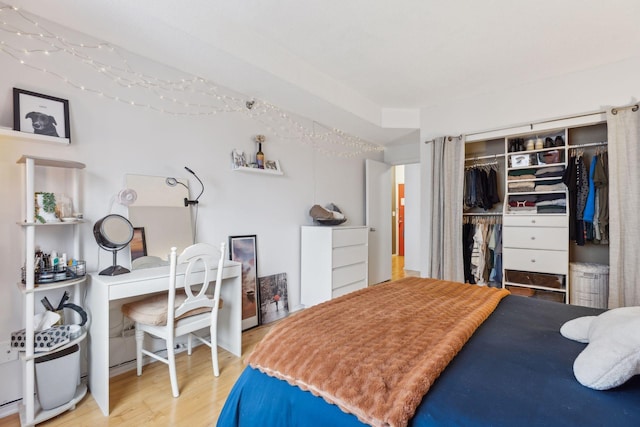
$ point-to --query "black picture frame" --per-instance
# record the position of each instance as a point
(244, 249)
(138, 244)
(40, 114)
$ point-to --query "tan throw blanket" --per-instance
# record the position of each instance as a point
(376, 352)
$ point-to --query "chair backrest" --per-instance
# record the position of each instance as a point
(200, 259)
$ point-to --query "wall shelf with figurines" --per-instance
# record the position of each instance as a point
(275, 171)
(259, 164)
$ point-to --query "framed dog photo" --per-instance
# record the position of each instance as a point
(40, 114)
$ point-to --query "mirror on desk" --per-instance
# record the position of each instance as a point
(159, 215)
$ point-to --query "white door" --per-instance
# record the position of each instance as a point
(378, 219)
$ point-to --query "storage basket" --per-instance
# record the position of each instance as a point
(589, 284)
(50, 275)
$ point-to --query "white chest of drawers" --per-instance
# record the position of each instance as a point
(539, 244)
(333, 262)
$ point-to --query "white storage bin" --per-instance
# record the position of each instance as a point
(589, 284)
(57, 376)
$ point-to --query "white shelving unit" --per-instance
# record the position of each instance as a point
(535, 244)
(30, 411)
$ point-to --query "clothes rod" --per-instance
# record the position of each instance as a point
(449, 138)
(479, 165)
(489, 156)
(482, 214)
(590, 144)
(614, 111)
(634, 108)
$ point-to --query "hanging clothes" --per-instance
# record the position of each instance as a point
(601, 183)
(482, 250)
(570, 180)
(495, 277)
(588, 197)
(480, 187)
(468, 230)
(590, 204)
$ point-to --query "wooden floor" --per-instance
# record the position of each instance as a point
(147, 400)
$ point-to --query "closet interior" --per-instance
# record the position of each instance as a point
(535, 215)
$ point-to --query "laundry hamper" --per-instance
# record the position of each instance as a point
(57, 376)
(589, 284)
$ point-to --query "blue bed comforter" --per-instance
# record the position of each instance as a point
(516, 370)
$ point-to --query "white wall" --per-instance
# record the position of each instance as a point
(567, 95)
(114, 139)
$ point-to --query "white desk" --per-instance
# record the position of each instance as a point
(103, 289)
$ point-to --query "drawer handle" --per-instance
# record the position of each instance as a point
(533, 237)
(533, 221)
(533, 260)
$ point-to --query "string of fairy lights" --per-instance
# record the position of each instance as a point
(28, 42)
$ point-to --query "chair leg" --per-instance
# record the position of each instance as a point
(189, 343)
(139, 342)
(214, 349)
(171, 356)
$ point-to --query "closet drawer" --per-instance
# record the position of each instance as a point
(349, 274)
(348, 288)
(349, 255)
(349, 236)
(542, 261)
(535, 220)
(535, 238)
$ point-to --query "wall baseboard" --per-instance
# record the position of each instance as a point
(9, 408)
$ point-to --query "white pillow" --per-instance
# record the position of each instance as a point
(612, 355)
(577, 329)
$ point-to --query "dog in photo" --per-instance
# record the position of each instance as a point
(43, 124)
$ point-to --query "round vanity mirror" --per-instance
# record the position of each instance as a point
(113, 233)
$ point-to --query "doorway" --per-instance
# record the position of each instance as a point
(398, 221)
(405, 217)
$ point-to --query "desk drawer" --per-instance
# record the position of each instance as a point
(349, 237)
(535, 220)
(349, 255)
(535, 238)
(349, 274)
(541, 261)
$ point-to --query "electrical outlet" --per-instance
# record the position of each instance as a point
(7, 353)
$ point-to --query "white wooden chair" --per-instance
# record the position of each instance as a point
(176, 313)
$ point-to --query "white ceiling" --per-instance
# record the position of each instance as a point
(352, 63)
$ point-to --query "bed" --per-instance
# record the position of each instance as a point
(514, 369)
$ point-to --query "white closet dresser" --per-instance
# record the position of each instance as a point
(535, 244)
(334, 262)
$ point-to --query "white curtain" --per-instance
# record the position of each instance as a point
(623, 126)
(446, 208)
